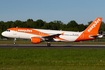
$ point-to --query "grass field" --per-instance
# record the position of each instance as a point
(52, 59)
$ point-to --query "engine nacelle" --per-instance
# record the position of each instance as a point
(35, 40)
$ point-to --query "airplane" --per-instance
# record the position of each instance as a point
(39, 35)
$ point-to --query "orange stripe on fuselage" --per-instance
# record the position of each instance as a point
(84, 36)
(61, 38)
(34, 32)
(29, 31)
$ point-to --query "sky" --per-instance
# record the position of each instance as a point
(82, 11)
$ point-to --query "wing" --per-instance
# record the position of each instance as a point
(51, 36)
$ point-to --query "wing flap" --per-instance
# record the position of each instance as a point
(52, 36)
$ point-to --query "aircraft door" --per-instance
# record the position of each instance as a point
(14, 33)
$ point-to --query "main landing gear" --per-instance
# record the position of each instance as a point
(14, 41)
(48, 44)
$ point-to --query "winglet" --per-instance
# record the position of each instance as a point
(62, 33)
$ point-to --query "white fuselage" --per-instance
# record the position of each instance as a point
(70, 36)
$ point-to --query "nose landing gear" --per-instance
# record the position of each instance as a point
(14, 41)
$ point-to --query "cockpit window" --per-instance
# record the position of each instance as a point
(8, 30)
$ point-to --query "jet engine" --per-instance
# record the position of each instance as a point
(35, 40)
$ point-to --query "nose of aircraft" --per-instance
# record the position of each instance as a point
(3, 34)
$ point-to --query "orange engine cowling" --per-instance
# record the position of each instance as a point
(35, 40)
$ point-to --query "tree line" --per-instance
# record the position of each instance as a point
(40, 24)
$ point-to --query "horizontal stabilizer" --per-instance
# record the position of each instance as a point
(98, 36)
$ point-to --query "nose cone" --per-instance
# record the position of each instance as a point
(3, 34)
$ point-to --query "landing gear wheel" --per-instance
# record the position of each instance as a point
(14, 41)
(48, 44)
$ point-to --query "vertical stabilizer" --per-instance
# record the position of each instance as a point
(91, 31)
(94, 26)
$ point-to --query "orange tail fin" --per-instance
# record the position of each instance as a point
(91, 31)
(94, 26)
